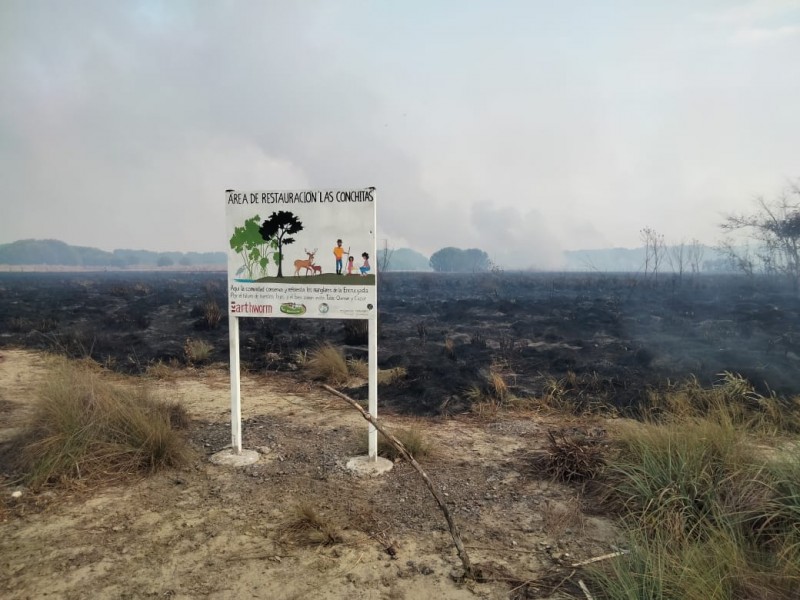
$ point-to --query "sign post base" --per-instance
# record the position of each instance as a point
(366, 466)
(231, 458)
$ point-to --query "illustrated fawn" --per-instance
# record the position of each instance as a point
(308, 265)
(317, 269)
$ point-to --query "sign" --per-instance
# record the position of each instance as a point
(302, 254)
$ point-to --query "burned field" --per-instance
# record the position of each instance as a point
(596, 340)
(529, 487)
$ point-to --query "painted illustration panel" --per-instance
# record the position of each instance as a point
(302, 254)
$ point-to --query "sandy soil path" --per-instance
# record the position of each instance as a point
(215, 532)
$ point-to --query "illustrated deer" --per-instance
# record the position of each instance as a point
(317, 269)
(308, 264)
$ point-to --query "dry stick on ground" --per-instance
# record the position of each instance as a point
(589, 561)
(462, 553)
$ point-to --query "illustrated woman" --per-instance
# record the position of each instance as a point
(365, 267)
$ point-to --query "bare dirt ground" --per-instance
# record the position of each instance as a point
(216, 532)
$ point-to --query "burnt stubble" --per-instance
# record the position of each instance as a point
(607, 338)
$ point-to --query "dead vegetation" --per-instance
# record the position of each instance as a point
(415, 440)
(306, 525)
(572, 456)
(327, 363)
(84, 428)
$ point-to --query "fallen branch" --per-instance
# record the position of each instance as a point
(589, 561)
(398, 445)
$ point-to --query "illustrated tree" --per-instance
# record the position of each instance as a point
(775, 229)
(277, 227)
(255, 251)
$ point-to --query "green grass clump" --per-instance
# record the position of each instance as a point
(707, 516)
(83, 427)
(731, 399)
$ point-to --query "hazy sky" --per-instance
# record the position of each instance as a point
(521, 127)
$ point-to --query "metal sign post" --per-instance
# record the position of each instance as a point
(236, 390)
(373, 386)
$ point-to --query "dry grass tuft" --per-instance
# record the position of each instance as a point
(327, 363)
(358, 367)
(578, 394)
(390, 376)
(161, 371)
(83, 428)
(560, 516)
(732, 399)
(306, 526)
(212, 313)
(494, 396)
(197, 351)
(300, 357)
(414, 439)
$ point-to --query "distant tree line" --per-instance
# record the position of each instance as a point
(456, 260)
(772, 234)
(56, 252)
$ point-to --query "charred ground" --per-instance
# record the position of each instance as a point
(600, 337)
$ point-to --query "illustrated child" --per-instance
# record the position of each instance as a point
(365, 267)
(339, 252)
(351, 265)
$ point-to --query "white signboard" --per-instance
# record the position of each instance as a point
(302, 254)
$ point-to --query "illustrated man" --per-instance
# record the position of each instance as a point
(339, 253)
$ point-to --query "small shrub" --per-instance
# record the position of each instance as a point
(327, 363)
(197, 351)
